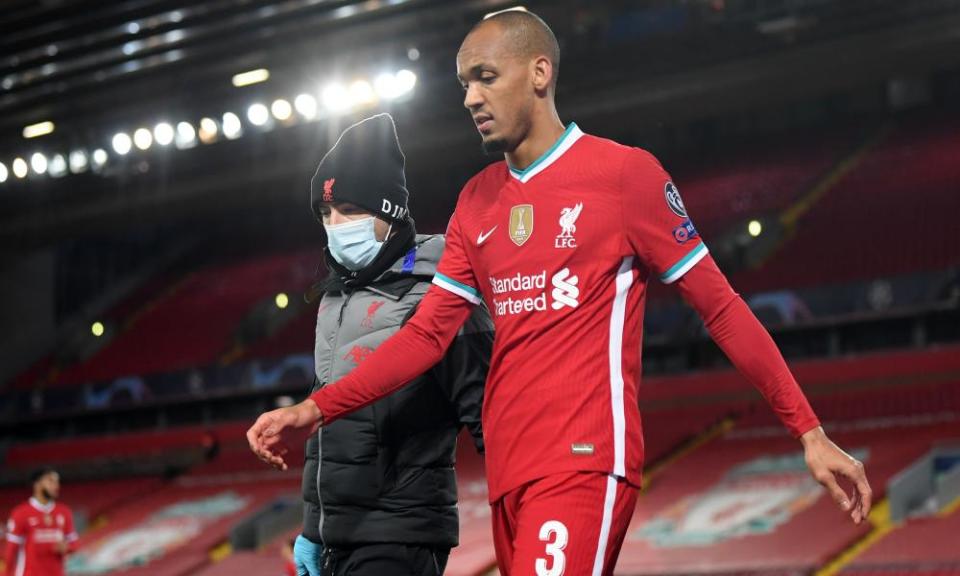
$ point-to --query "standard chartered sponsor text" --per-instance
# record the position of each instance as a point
(527, 292)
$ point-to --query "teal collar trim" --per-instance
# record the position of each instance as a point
(566, 140)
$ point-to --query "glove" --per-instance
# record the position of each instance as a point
(307, 556)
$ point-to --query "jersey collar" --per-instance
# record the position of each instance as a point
(46, 509)
(566, 140)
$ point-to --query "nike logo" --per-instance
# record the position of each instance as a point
(483, 237)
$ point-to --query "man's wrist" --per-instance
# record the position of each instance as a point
(312, 411)
(813, 436)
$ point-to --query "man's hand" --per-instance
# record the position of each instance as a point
(269, 435)
(826, 462)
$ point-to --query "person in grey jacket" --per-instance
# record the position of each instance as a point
(379, 488)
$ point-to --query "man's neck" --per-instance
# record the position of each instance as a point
(543, 134)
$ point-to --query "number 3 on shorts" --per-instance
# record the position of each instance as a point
(554, 533)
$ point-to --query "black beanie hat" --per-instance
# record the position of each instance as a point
(364, 167)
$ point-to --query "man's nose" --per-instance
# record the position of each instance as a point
(336, 217)
(472, 99)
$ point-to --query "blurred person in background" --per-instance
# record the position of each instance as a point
(379, 488)
(40, 531)
(561, 240)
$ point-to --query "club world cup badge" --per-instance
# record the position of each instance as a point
(521, 223)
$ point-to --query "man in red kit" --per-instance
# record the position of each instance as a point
(560, 241)
(40, 531)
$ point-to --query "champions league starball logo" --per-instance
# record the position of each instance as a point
(753, 498)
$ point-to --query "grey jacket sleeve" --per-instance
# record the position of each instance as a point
(463, 371)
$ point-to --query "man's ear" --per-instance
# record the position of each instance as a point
(542, 75)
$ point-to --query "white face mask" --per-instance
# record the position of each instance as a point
(354, 244)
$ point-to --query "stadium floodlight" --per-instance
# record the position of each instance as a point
(163, 134)
(97, 329)
(39, 163)
(3, 173)
(78, 161)
(306, 105)
(335, 98)
(99, 158)
(282, 300)
(232, 129)
(251, 77)
(187, 135)
(208, 130)
(142, 138)
(386, 86)
(20, 168)
(258, 114)
(281, 109)
(361, 93)
(406, 80)
(58, 166)
(38, 129)
(121, 143)
(755, 228)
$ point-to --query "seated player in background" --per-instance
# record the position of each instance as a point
(40, 531)
(379, 488)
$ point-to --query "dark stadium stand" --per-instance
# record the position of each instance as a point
(736, 187)
(195, 324)
(703, 515)
(920, 546)
(889, 215)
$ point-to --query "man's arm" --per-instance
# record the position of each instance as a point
(14, 540)
(463, 371)
(413, 350)
(753, 352)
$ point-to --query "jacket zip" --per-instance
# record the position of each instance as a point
(333, 351)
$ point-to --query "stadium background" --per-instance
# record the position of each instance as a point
(156, 243)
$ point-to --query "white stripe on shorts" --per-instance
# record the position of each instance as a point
(608, 502)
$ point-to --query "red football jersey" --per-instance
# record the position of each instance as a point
(37, 530)
(561, 253)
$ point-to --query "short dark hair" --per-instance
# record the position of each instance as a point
(39, 473)
(529, 36)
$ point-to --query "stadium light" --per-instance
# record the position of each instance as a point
(406, 81)
(58, 166)
(336, 98)
(97, 329)
(38, 129)
(754, 228)
(258, 114)
(361, 93)
(39, 163)
(208, 130)
(142, 138)
(187, 135)
(163, 134)
(282, 300)
(99, 158)
(281, 109)
(20, 168)
(3, 173)
(78, 161)
(232, 129)
(306, 105)
(121, 143)
(251, 77)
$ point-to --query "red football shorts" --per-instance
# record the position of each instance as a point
(571, 524)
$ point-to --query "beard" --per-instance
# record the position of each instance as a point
(494, 146)
(47, 494)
